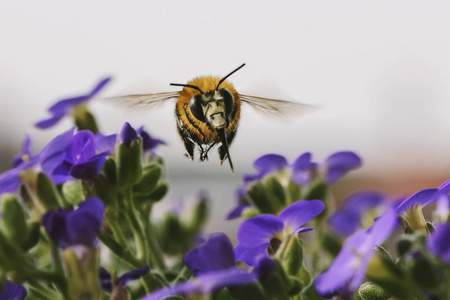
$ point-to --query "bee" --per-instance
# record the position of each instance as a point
(208, 110)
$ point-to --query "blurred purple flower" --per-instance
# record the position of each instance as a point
(149, 143)
(127, 134)
(46, 161)
(64, 107)
(81, 159)
(13, 291)
(214, 267)
(348, 219)
(24, 154)
(411, 208)
(122, 280)
(438, 242)
(255, 234)
(348, 269)
(68, 227)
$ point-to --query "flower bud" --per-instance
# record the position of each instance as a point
(84, 119)
(47, 193)
(129, 158)
(371, 291)
(73, 192)
(264, 199)
(14, 220)
(274, 186)
(423, 273)
(317, 191)
(158, 192)
(199, 214)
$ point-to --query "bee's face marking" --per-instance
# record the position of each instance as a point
(213, 107)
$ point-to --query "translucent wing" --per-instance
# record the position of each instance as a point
(277, 108)
(143, 101)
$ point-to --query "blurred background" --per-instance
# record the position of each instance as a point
(379, 71)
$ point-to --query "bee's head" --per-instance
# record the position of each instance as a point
(213, 107)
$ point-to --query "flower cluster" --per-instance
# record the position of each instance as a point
(76, 223)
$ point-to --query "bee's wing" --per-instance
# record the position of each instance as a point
(143, 101)
(277, 108)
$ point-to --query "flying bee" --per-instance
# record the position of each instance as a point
(208, 110)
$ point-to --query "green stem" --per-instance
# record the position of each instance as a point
(136, 227)
(43, 291)
(155, 252)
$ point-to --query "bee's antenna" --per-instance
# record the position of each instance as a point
(223, 79)
(188, 85)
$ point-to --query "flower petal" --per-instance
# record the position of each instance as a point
(301, 212)
(131, 275)
(90, 168)
(438, 242)
(259, 230)
(421, 198)
(127, 134)
(215, 254)
(362, 201)
(302, 168)
(251, 255)
(340, 163)
(13, 291)
(344, 222)
(270, 162)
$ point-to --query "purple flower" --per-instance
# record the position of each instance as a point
(214, 267)
(255, 234)
(348, 269)
(68, 227)
(340, 163)
(242, 204)
(64, 107)
(348, 219)
(411, 208)
(122, 280)
(13, 291)
(25, 153)
(46, 161)
(149, 143)
(438, 242)
(127, 135)
(81, 159)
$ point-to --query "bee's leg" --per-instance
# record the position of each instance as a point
(222, 151)
(204, 153)
(188, 143)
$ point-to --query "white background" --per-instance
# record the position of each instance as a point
(379, 70)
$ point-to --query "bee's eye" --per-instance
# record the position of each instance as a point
(195, 104)
(228, 100)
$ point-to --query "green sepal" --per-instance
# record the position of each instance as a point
(158, 192)
(14, 220)
(250, 212)
(405, 244)
(296, 286)
(248, 292)
(84, 120)
(276, 189)
(11, 255)
(83, 277)
(106, 191)
(33, 236)
(129, 164)
(47, 193)
(290, 254)
(263, 199)
(293, 191)
(174, 238)
(72, 191)
(424, 274)
(310, 293)
(110, 170)
(111, 243)
(277, 284)
(221, 295)
(318, 191)
(150, 176)
(371, 291)
(330, 243)
(199, 215)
